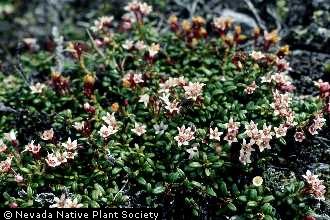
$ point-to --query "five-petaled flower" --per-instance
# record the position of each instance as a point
(139, 129)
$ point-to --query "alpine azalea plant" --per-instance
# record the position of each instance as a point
(190, 119)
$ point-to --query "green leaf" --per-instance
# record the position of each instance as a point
(195, 164)
(94, 204)
(242, 198)
(142, 181)
(252, 204)
(159, 189)
(211, 192)
(223, 188)
(268, 199)
(25, 170)
(253, 194)
(29, 192)
(231, 207)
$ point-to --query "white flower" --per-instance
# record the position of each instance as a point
(79, 126)
(101, 23)
(72, 203)
(309, 177)
(215, 134)
(172, 106)
(133, 6)
(193, 152)
(52, 160)
(245, 152)
(11, 136)
(193, 90)
(257, 55)
(144, 99)
(32, 147)
(48, 135)
(106, 131)
(251, 88)
(128, 44)
(109, 119)
(299, 136)
(70, 145)
(145, 9)
(70, 154)
(64, 202)
(19, 178)
(3, 146)
(281, 130)
(37, 88)
(257, 181)
(222, 23)
(153, 49)
(138, 78)
(185, 135)
(139, 129)
(161, 128)
(139, 45)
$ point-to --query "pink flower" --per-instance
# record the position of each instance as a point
(282, 65)
(185, 135)
(32, 147)
(215, 134)
(231, 137)
(106, 131)
(139, 129)
(172, 107)
(281, 130)
(193, 90)
(47, 135)
(52, 160)
(315, 185)
(245, 152)
(138, 78)
(101, 23)
(251, 130)
(71, 154)
(312, 129)
(324, 88)
(310, 178)
(3, 146)
(19, 178)
(299, 136)
(263, 143)
(137, 6)
(70, 145)
(5, 165)
(232, 126)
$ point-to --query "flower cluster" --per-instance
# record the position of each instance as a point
(64, 202)
(59, 157)
(315, 185)
(232, 131)
(185, 135)
(110, 127)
